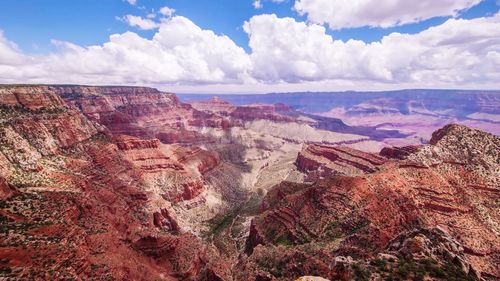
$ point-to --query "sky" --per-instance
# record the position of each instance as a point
(251, 46)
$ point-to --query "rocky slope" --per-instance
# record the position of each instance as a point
(324, 161)
(92, 174)
(77, 198)
(129, 183)
(451, 184)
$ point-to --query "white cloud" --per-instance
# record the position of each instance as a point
(9, 53)
(166, 11)
(180, 52)
(142, 23)
(148, 23)
(458, 51)
(257, 4)
(377, 13)
(132, 2)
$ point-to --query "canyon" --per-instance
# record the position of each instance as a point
(132, 183)
(400, 118)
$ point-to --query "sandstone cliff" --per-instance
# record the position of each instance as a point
(451, 184)
(129, 183)
(77, 197)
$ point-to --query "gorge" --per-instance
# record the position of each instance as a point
(131, 183)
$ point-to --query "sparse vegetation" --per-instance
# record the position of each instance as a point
(283, 240)
(361, 273)
(379, 263)
(25, 178)
(421, 269)
(332, 230)
(221, 223)
(7, 113)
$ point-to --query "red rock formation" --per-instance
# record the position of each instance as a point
(399, 152)
(39, 115)
(6, 189)
(328, 160)
(204, 160)
(215, 105)
(359, 216)
(185, 253)
(66, 128)
(143, 112)
(92, 190)
(77, 197)
(103, 213)
(30, 97)
(129, 143)
(276, 112)
(164, 219)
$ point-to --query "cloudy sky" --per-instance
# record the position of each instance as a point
(246, 46)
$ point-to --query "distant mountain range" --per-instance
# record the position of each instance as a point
(464, 101)
(415, 112)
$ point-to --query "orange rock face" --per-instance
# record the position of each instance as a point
(94, 194)
(129, 143)
(359, 216)
(328, 160)
(30, 97)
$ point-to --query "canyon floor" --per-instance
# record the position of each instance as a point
(130, 183)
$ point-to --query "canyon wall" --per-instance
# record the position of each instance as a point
(130, 183)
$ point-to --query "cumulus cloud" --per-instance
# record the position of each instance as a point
(377, 13)
(149, 22)
(257, 4)
(166, 11)
(132, 2)
(179, 52)
(141, 23)
(9, 53)
(458, 51)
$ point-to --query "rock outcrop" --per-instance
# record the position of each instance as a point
(30, 97)
(322, 160)
(216, 105)
(75, 193)
(273, 112)
(129, 143)
(6, 189)
(449, 184)
(400, 153)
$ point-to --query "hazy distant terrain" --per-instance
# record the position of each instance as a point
(416, 113)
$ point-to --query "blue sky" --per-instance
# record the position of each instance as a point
(33, 24)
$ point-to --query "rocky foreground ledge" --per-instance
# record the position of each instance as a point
(121, 182)
(419, 213)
